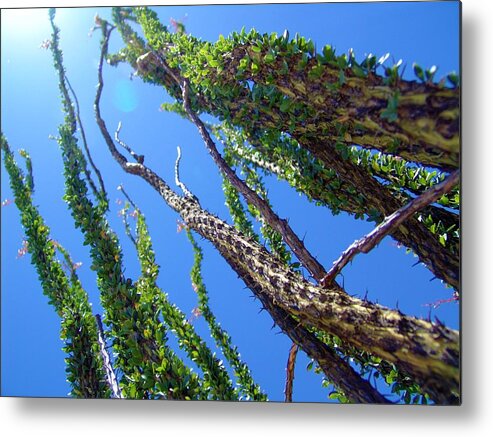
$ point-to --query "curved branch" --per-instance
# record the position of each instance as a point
(390, 224)
(178, 182)
(102, 191)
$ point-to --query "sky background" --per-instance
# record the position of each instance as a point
(32, 360)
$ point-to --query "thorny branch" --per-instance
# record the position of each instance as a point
(120, 188)
(389, 225)
(124, 215)
(280, 225)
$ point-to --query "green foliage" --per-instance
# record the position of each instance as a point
(282, 156)
(78, 326)
(216, 382)
(246, 385)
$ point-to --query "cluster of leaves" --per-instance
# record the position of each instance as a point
(261, 81)
(249, 390)
(78, 326)
(282, 156)
(216, 382)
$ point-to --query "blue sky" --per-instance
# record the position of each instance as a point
(32, 361)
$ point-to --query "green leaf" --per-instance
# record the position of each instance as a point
(418, 71)
(453, 78)
(430, 73)
(285, 105)
(342, 77)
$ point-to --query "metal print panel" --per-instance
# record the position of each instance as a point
(232, 203)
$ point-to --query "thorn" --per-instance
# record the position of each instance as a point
(438, 321)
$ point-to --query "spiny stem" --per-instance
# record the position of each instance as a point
(389, 225)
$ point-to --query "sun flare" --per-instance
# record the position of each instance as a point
(18, 23)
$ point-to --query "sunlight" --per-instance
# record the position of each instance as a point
(17, 24)
(125, 96)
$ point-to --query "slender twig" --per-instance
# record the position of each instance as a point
(124, 216)
(127, 229)
(73, 116)
(97, 109)
(120, 188)
(390, 224)
(288, 391)
(108, 368)
(138, 158)
(102, 191)
(178, 182)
